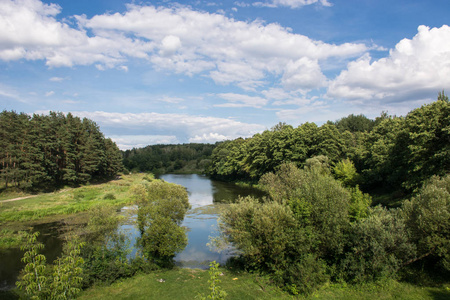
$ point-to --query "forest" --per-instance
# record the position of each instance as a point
(387, 155)
(53, 150)
(160, 159)
(320, 222)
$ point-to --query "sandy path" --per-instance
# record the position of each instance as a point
(16, 199)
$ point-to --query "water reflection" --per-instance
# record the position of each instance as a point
(201, 221)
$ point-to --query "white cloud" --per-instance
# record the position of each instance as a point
(310, 111)
(180, 128)
(171, 99)
(179, 39)
(291, 3)
(57, 79)
(126, 142)
(304, 73)
(413, 69)
(239, 100)
(50, 93)
(209, 138)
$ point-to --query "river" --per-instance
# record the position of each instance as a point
(205, 197)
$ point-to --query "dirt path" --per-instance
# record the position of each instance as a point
(16, 199)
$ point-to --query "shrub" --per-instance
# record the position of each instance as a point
(378, 246)
(428, 220)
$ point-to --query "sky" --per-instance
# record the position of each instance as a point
(169, 72)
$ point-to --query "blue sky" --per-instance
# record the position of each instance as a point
(153, 72)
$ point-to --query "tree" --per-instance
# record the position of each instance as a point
(162, 207)
(315, 198)
(355, 123)
(427, 217)
(378, 246)
(67, 272)
(162, 239)
(33, 279)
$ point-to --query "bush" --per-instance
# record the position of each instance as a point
(378, 246)
(427, 218)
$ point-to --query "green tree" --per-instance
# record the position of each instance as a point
(33, 279)
(162, 239)
(162, 207)
(345, 172)
(378, 246)
(355, 123)
(427, 218)
(67, 272)
(320, 199)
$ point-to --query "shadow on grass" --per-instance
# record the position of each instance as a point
(440, 295)
(8, 295)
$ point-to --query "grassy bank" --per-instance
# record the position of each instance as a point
(69, 201)
(68, 205)
(189, 283)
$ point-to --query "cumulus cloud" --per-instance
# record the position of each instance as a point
(29, 30)
(177, 39)
(412, 70)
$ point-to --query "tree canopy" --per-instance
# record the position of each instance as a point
(54, 149)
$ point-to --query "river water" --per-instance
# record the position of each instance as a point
(206, 196)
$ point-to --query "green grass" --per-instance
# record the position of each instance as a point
(189, 283)
(68, 201)
(185, 284)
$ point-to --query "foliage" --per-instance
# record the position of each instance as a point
(60, 281)
(317, 199)
(427, 217)
(389, 154)
(162, 240)
(33, 279)
(67, 272)
(162, 207)
(216, 291)
(359, 204)
(355, 123)
(55, 149)
(185, 158)
(345, 172)
(304, 275)
(377, 246)
(263, 233)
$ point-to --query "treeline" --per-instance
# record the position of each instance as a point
(392, 153)
(159, 159)
(54, 149)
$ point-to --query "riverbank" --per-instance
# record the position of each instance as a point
(67, 206)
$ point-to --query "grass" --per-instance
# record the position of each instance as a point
(185, 284)
(68, 201)
(189, 283)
